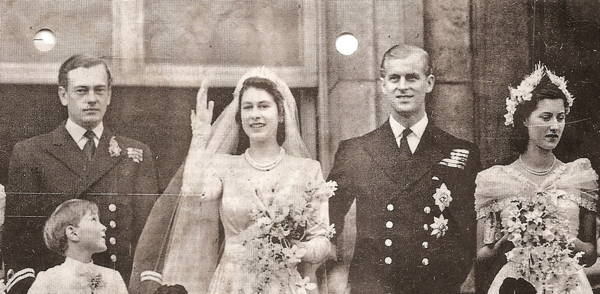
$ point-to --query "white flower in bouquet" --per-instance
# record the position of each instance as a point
(518, 255)
(543, 252)
(280, 224)
(548, 235)
(304, 285)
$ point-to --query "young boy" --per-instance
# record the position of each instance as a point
(74, 231)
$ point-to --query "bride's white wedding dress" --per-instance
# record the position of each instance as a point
(234, 184)
(182, 242)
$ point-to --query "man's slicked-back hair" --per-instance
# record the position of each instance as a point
(77, 61)
(403, 51)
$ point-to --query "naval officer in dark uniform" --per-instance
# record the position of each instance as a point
(413, 185)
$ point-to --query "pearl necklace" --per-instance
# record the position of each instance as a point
(264, 166)
(535, 172)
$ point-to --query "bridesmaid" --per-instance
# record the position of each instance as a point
(537, 110)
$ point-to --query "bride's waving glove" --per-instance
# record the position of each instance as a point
(201, 120)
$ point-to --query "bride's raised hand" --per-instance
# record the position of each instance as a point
(201, 118)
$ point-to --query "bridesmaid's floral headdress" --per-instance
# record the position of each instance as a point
(523, 92)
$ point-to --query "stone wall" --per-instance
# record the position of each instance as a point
(441, 27)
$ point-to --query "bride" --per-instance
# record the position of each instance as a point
(537, 110)
(195, 235)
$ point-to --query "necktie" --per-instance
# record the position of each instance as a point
(404, 148)
(90, 146)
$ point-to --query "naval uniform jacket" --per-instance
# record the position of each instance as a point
(49, 169)
(395, 251)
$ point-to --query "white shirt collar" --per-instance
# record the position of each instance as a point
(76, 131)
(417, 129)
(71, 262)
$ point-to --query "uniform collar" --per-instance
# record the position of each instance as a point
(418, 129)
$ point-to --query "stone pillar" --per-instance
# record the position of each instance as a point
(501, 57)
(447, 39)
(355, 107)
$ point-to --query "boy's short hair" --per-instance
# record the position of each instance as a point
(68, 213)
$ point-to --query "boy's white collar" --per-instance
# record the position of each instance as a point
(71, 262)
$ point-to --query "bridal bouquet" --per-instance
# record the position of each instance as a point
(543, 249)
(285, 219)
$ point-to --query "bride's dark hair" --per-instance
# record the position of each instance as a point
(545, 90)
(271, 88)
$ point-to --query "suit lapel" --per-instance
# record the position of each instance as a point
(102, 161)
(385, 152)
(426, 157)
(64, 148)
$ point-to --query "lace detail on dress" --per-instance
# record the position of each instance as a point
(500, 182)
(520, 185)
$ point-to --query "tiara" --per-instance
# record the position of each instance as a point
(523, 92)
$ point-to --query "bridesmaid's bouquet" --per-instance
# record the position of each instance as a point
(283, 220)
(543, 251)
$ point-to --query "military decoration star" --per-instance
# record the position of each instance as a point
(439, 226)
(442, 197)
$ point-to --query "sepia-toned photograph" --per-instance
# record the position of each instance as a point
(299, 146)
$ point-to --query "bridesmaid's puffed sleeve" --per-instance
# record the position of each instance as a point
(580, 177)
(486, 203)
(318, 245)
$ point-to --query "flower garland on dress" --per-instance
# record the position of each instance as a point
(523, 92)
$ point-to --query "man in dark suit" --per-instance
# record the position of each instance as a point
(413, 185)
(79, 159)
